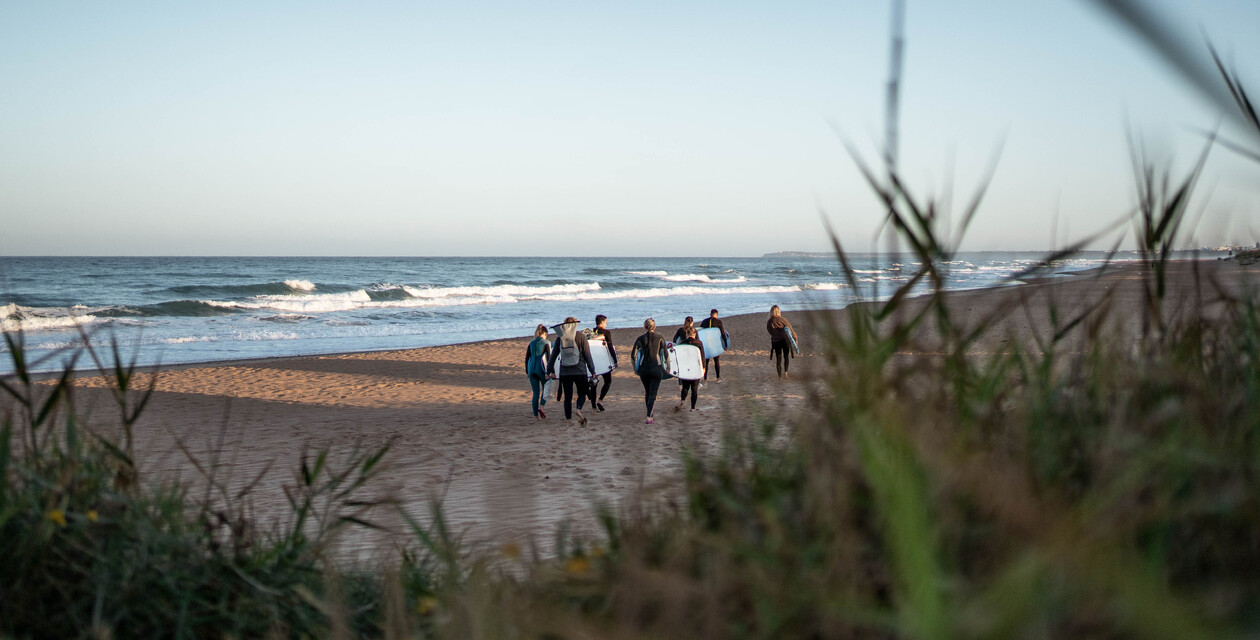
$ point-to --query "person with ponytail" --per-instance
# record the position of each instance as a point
(645, 355)
(537, 353)
(574, 355)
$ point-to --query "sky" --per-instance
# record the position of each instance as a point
(588, 128)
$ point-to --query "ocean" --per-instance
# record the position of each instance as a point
(176, 310)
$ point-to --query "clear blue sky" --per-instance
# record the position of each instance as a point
(662, 128)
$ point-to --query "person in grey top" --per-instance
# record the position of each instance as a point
(574, 355)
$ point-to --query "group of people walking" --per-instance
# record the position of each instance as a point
(579, 382)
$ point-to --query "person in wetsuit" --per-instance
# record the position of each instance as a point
(645, 356)
(687, 334)
(574, 354)
(780, 347)
(601, 330)
(537, 354)
(712, 321)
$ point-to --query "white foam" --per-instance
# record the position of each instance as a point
(452, 301)
(646, 273)
(518, 291)
(184, 340)
(14, 318)
(319, 303)
(824, 286)
(467, 296)
(300, 285)
(700, 277)
(672, 291)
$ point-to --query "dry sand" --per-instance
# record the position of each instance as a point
(458, 416)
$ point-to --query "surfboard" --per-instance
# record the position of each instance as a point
(712, 339)
(601, 356)
(685, 362)
(792, 340)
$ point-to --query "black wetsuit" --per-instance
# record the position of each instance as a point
(780, 349)
(651, 370)
(691, 386)
(603, 391)
(717, 360)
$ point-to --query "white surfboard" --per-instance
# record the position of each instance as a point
(601, 356)
(685, 362)
(712, 339)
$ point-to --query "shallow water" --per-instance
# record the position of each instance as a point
(173, 310)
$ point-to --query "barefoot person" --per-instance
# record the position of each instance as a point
(645, 355)
(601, 330)
(710, 322)
(537, 353)
(687, 334)
(574, 354)
(780, 340)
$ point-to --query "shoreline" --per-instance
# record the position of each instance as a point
(91, 370)
(457, 417)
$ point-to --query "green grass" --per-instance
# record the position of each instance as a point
(1110, 489)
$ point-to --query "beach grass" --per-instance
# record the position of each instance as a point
(1086, 482)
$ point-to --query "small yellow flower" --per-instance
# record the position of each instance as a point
(425, 605)
(511, 550)
(577, 566)
(92, 516)
(58, 516)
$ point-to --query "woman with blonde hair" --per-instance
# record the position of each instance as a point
(576, 368)
(645, 356)
(537, 353)
(781, 335)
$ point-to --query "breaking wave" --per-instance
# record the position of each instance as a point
(239, 290)
(700, 277)
(14, 318)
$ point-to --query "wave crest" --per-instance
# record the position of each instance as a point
(18, 318)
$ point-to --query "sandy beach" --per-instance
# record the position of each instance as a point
(458, 416)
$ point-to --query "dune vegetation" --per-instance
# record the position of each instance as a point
(1082, 484)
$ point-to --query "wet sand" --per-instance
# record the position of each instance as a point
(459, 424)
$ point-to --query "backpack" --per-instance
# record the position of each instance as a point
(570, 356)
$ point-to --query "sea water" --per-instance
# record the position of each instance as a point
(173, 310)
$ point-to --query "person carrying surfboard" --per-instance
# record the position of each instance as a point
(645, 355)
(711, 322)
(601, 331)
(687, 334)
(576, 367)
(782, 341)
(537, 353)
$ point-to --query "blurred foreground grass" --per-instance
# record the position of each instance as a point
(1036, 491)
(1079, 484)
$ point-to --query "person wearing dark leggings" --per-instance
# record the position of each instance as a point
(601, 330)
(574, 354)
(688, 335)
(645, 356)
(712, 321)
(780, 350)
